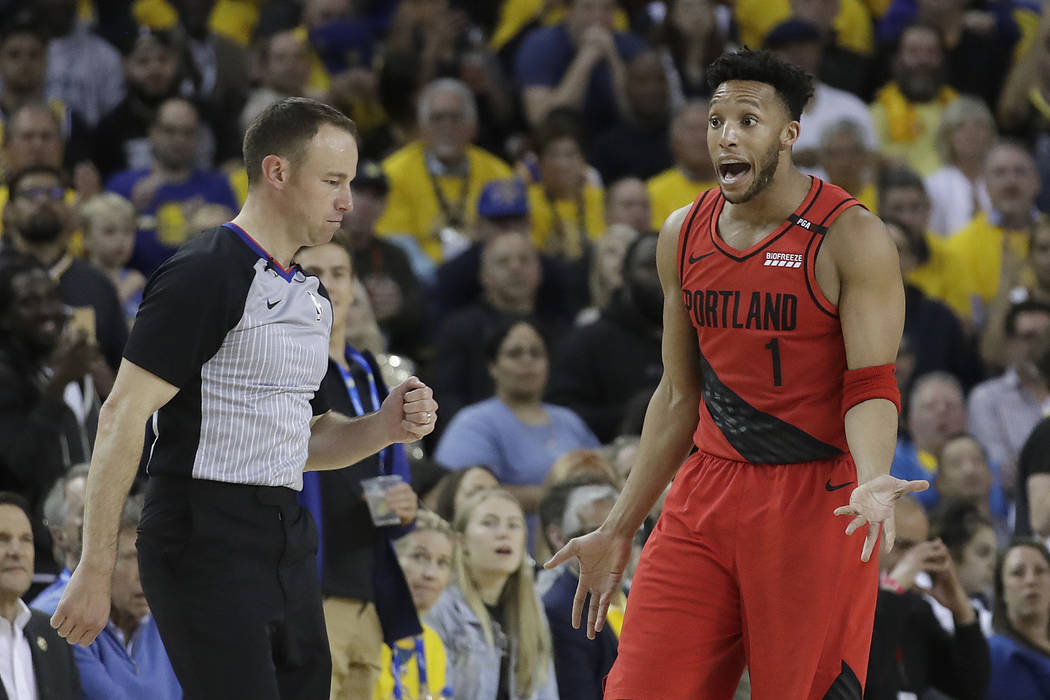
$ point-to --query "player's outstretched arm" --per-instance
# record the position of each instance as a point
(84, 608)
(871, 309)
(408, 413)
(666, 438)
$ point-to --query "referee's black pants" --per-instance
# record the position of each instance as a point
(231, 578)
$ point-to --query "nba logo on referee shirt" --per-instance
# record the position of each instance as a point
(783, 260)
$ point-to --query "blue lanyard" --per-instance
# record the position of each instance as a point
(421, 664)
(354, 357)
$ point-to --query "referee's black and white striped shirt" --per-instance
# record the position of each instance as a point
(246, 342)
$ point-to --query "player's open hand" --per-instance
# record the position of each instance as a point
(872, 504)
(411, 410)
(84, 608)
(603, 558)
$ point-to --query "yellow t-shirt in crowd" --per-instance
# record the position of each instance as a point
(413, 206)
(869, 197)
(672, 190)
(852, 25)
(935, 277)
(908, 130)
(433, 650)
(515, 15)
(977, 249)
(233, 19)
(545, 230)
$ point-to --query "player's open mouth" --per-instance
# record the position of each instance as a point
(506, 551)
(733, 171)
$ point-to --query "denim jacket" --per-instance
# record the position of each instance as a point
(476, 665)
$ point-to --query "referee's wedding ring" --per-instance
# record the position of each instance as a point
(427, 418)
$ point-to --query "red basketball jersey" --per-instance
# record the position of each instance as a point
(770, 343)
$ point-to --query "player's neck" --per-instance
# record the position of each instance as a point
(773, 204)
(265, 223)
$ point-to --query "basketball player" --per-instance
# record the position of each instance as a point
(783, 310)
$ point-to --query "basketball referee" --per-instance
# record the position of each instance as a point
(226, 355)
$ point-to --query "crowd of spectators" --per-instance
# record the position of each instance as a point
(517, 158)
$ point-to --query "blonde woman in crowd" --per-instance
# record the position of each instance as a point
(426, 555)
(490, 618)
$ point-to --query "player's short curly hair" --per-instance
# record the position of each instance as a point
(793, 85)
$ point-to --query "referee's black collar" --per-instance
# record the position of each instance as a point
(287, 274)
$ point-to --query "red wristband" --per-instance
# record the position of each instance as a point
(878, 382)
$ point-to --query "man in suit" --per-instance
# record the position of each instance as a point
(35, 663)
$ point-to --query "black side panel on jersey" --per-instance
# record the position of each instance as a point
(759, 437)
(845, 687)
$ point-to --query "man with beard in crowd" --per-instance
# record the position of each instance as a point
(907, 110)
(37, 221)
(596, 383)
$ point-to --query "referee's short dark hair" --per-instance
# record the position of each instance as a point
(10, 498)
(284, 129)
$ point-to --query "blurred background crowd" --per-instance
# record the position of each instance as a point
(517, 158)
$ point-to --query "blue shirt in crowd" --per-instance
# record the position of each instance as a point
(1018, 672)
(111, 670)
(545, 56)
(489, 433)
(162, 225)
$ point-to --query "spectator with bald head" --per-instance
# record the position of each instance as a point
(935, 412)
(168, 191)
(692, 172)
(637, 145)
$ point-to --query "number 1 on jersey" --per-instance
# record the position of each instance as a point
(774, 347)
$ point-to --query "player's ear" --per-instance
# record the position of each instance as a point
(789, 134)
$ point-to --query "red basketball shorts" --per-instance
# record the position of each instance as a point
(748, 566)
